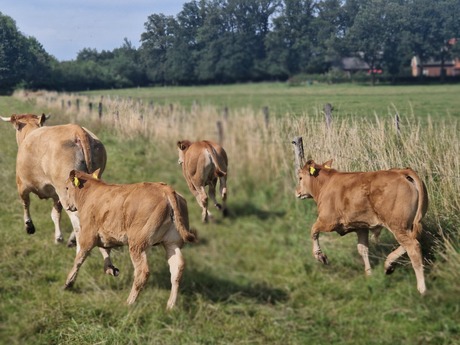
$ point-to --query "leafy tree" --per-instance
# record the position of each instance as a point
(368, 34)
(156, 41)
(23, 61)
(431, 25)
(289, 45)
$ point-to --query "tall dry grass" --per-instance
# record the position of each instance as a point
(261, 150)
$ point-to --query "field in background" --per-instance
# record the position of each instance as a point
(252, 278)
(281, 99)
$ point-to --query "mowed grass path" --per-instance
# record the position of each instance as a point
(281, 99)
(250, 280)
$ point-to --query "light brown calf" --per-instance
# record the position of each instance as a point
(361, 201)
(203, 163)
(138, 215)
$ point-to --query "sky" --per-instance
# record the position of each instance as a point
(65, 27)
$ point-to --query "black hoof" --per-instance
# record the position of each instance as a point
(30, 228)
(219, 206)
(112, 270)
(71, 243)
(390, 270)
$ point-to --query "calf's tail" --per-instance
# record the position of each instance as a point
(186, 234)
(422, 204)
(220, 171)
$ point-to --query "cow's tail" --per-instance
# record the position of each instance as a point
(186, 234)
(422, 204)
(82, 139)
(220, 171)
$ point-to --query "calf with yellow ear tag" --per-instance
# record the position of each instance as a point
(364, 202)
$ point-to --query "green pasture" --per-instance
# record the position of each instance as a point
(281, 99)
(252, 278)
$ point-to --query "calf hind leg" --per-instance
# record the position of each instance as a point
(363, 249)
(202, 200)
(223, 193)
(176, 267)
(392, 258)
(412, 246)
(141, 272)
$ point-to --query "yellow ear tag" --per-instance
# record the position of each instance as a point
(95, 176)
(327, 166)
(76, 181)
(312, 171)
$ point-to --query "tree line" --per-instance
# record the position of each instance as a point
(227, 41)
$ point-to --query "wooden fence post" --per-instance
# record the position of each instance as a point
(266, 115)
(220, 132)
(298, 153)
(328, 113)
(100, 109)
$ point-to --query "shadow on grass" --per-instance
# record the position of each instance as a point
(249, 209)
(216, 289)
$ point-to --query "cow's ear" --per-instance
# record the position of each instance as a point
(181, 146)
(312, 171)
(328, 164)
(42, 119)
(17, 124)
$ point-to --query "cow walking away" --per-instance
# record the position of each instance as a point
(203, 163)
(45, 157)
(367, 201)
(139, 215)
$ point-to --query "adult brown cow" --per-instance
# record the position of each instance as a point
(361, 201)
(203, 163)
(45, 157)
(139, 215)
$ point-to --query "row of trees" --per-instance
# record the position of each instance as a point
(223, 41)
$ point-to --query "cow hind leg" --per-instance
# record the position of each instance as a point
(29, 225)
(412, 246)
(56, 217)
(363, 249)
(73, 216)
(176, 267)
(141, 272)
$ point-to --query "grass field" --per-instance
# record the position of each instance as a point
(252, 278)
(281, 99)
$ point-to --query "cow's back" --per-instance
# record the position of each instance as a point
(48, 154)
